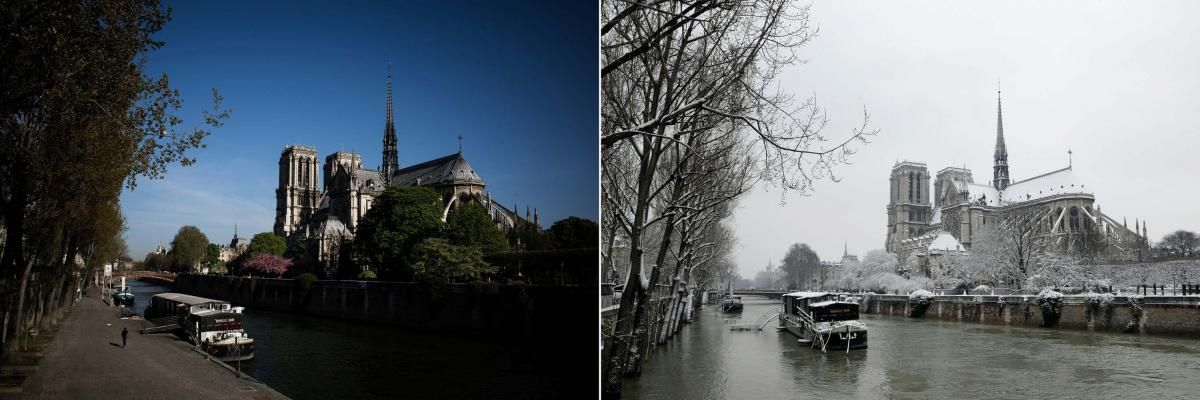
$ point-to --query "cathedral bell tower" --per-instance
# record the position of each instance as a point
(296, 196)
(1000, 170)
(910, 210)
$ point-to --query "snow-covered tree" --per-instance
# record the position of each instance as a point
(949, 270)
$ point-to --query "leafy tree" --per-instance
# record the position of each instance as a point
(267, 243)
(156, 262)
(470, 225)
(437, 260)
(526, 236)
(189, 248)
(267, 264)
(212, 255)
(80, 118)
(575, 233)
(401, 217)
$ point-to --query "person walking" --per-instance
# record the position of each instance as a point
(124, 337)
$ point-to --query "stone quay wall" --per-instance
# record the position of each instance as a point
(1175, 315)
(484, 310)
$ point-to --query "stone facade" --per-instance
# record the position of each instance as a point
(948, 220)
(325, 216)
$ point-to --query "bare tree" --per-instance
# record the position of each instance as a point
(674, 73)
(1005, 251)
(1181, 243)
(802, 266)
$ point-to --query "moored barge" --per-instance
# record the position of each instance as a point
(213, 325)
(823, 320)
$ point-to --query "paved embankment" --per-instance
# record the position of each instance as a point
(1176, 315)
(86, 361)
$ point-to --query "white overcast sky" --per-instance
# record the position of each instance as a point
(1116, 82)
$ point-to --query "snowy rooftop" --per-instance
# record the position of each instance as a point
(945, 241)
(989, 194)
(1045, 185)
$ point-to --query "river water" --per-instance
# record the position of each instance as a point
(915, 359)
(307, 357)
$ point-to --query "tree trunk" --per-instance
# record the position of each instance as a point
(19, 331)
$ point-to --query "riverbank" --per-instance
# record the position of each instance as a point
(1173, 315)
(489, 311)
(86, 361)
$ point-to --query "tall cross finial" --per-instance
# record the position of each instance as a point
(1069, 161)
(460, 143)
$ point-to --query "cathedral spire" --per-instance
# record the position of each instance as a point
(390, 161)
(1000, 170)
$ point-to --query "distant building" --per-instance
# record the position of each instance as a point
(235, 248)
(326, 216)
(947, 221)
(831, 271)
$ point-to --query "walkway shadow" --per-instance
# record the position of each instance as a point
(115, 344)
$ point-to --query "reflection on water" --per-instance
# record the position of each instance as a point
(307, 357)
(915, 358)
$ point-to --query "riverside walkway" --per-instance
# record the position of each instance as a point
(86, 361)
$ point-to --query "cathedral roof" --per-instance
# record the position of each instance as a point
(330, 227)
(449, 170)
(945, 242)
(1058, 182)
(369, 180)
(985, 193)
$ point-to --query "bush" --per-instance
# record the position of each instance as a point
(367, 276)
(1051, 303)
(1097, 303)
(1135, 311)
(305, 281)
(919, 302)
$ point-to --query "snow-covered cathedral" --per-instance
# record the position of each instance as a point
(325, 214)
(949, 219)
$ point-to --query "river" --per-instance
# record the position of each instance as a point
(307, 357)
(915, 359)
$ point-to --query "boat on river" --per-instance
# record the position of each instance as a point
(123, 298)
(823, 320)
(213, 325)
(731, 304)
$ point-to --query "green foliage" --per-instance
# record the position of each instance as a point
(528, 237)
(575, 233)
(212, 255)
(436, 260)
(367, 276)
(401, 218)
(470, 225)
(156, 262)
(188, 248)
(305, 281)
(267, 242)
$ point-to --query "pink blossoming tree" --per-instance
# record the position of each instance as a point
(267, 264)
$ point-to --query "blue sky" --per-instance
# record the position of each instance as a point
(518, 81)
